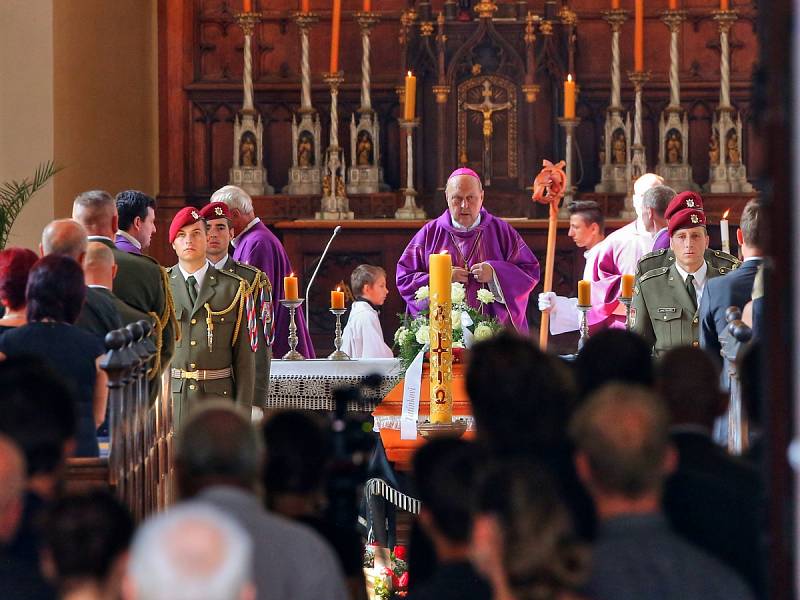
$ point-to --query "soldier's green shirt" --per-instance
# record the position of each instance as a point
(230, 345)
(662, 311)
(264, 351)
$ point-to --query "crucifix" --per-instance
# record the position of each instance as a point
(487, 108)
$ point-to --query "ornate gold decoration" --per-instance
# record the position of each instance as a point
(530, 28)
(568, 17)
(426, 28)
(485, 9)
(725, 19)
(442, 92)
(530, 90)
(476, 69)
(510, 89)
(546, 27)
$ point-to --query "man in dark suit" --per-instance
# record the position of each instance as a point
(68, 238)
(713, 499)
(735, 288)
(99, 269)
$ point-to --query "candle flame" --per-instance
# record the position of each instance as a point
(725, 214)
(569, 77)
(338, 288)
(291, 274)
(409, 74)
(443, 252)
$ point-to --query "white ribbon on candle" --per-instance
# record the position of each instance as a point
(411, 386)
(466, 322)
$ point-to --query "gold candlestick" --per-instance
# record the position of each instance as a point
(292, 305)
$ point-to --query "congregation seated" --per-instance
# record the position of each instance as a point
(192, 552)
(713, 499)
(219, 461)
(298, 451)
(86, 538)
(624, 456)
(522, 539)
(55, 294)
(15, 264)
(445, 473)
(613, 355)
(37, 412)
(522, 399)
(19, 579)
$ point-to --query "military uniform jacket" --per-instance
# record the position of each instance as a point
(224, 294)
(666, 257)
(264, 350)
(662, 311)
(141, 284)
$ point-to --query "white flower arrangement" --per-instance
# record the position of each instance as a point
(485, 296)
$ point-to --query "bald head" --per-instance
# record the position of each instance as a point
(12, 474)
(64, 237)
(99, 266)
(96, 210)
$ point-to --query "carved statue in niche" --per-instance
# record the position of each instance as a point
(674, 147)
(618, 148)
(305, 149)
(340, 187)
(364, 154)
(247, 150)
(601, 154)
(732, 148)
(713, 149)
(326, 186)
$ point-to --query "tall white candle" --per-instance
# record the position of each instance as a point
(724, 233)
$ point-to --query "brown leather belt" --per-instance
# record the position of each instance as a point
(202, 374)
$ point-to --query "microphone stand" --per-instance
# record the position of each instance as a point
(336, 231)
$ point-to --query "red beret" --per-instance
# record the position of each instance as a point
(683, 201)
(686, 218)
(188, 215)
(215, 210)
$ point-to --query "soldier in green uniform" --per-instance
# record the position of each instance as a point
(666, 299)
(259, 293)
(665, 257)
(212, 356)
(140, 281)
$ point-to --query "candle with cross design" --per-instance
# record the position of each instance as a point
(441, 335)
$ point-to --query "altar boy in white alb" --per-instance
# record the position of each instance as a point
(363, 337)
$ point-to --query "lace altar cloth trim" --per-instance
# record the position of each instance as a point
(393, 422)
(309, 384)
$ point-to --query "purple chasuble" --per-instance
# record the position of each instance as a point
(493, 241)
(125, 245)
(662, 240)
(259, 248)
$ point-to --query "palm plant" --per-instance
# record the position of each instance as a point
(15, 194)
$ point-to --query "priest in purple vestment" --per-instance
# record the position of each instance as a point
(487, 253)
(257, 246)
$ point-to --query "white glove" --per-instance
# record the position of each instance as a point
(547, 302)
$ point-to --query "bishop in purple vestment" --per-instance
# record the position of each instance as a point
(257, 246)
(487, 253)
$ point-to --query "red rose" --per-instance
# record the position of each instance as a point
(400, 552)
(403, 581)
(395, 581)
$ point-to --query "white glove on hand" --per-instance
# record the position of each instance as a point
(547, 302)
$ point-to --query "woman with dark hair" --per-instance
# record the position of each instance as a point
(15, 264)
(55, 294)
(522, 539)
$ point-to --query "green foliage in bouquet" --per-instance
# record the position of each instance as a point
(414, 333)
(15, 194)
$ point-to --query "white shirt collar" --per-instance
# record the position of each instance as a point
(218, 265)
(699, 281)
(250, 225)
(199, 275)
(95, 285)
(93, 238)
(458, 226)
(130, 238)
(753, 258)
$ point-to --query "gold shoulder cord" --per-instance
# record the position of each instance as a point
(160, 322)
(238, 301)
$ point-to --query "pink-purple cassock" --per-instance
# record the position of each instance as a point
(493, 241)
(618, 255)
(259, 248)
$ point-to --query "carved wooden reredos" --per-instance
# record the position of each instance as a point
(200, 79)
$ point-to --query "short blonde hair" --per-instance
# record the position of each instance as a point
(364, 275)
